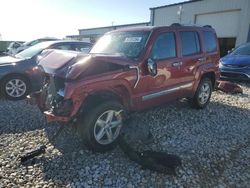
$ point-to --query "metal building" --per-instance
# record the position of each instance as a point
(230, 18)
(92, 34)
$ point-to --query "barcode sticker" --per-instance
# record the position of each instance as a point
(132, 39)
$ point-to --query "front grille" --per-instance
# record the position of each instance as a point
(236, 66)
(234, 75)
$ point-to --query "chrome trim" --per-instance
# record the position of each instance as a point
(138, 74)
(236, 73)
(202, 59)
(234, 67)
(165, 92)
(177, 64)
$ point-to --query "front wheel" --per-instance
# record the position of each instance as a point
(202, 94)
(15, 87)
(100, 128)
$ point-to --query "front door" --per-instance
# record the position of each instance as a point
(164, 86)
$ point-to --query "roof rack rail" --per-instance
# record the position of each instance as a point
(207, 26)
(176, 24)
(192, 25)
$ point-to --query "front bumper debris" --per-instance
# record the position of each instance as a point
(51, 102)
(50, 117)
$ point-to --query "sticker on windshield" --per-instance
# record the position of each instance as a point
(132, 39)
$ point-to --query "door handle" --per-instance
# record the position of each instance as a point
(202, 59)
(177, 64)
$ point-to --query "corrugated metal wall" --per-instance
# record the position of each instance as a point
(102, 30)
(191, 11)
(96, 31)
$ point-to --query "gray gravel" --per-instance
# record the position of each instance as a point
(214, 144)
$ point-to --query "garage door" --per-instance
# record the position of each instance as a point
(225, 23)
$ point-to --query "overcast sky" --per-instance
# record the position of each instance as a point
(30, 19)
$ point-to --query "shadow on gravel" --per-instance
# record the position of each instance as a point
(196, 135)
(175, 128)
(19, 117)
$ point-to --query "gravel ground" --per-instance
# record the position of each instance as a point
(214, 145)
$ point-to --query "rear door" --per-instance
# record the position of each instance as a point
(211, 48)
(192, 56)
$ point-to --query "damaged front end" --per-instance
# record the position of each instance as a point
(50, 100)
(62, 93)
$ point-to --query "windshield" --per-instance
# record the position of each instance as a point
(242, 50)
(129, 44)
(34, 50)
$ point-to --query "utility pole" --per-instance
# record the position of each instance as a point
(112, 23)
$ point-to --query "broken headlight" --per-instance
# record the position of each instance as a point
(62, 108)
(61, 92)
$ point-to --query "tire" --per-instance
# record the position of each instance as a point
(203, 94)
(15, 87)
(94, 126)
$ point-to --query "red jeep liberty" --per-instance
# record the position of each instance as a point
(128, 70)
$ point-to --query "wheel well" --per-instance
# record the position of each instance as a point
(96, 98)
(211, 76)
(16, 74)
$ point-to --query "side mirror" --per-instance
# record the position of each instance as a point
(152, 67)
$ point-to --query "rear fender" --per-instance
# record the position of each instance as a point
(203, 70)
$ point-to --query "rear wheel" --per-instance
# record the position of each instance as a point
(203, 94)
(15, 87)
(100, 128)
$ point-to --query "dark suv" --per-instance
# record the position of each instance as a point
(128, 70)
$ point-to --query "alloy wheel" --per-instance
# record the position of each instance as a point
(204, 93)
(107, 127)
(15, 88)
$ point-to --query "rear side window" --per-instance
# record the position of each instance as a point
(190, 43)
(82, 47)
(164, 47)
(210, 41)
(63, 47)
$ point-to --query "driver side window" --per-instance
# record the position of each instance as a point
(164, 47)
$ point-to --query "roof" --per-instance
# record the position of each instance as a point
(125, 25)
(71, 41)
(140, 28)
(153, 28)
(48, 43)
(170, 5)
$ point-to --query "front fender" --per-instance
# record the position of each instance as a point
(78, 92)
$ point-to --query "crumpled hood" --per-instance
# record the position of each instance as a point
(241, 60)
(53, 61)
(6, 60)
(96, 64)
(74, 65)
